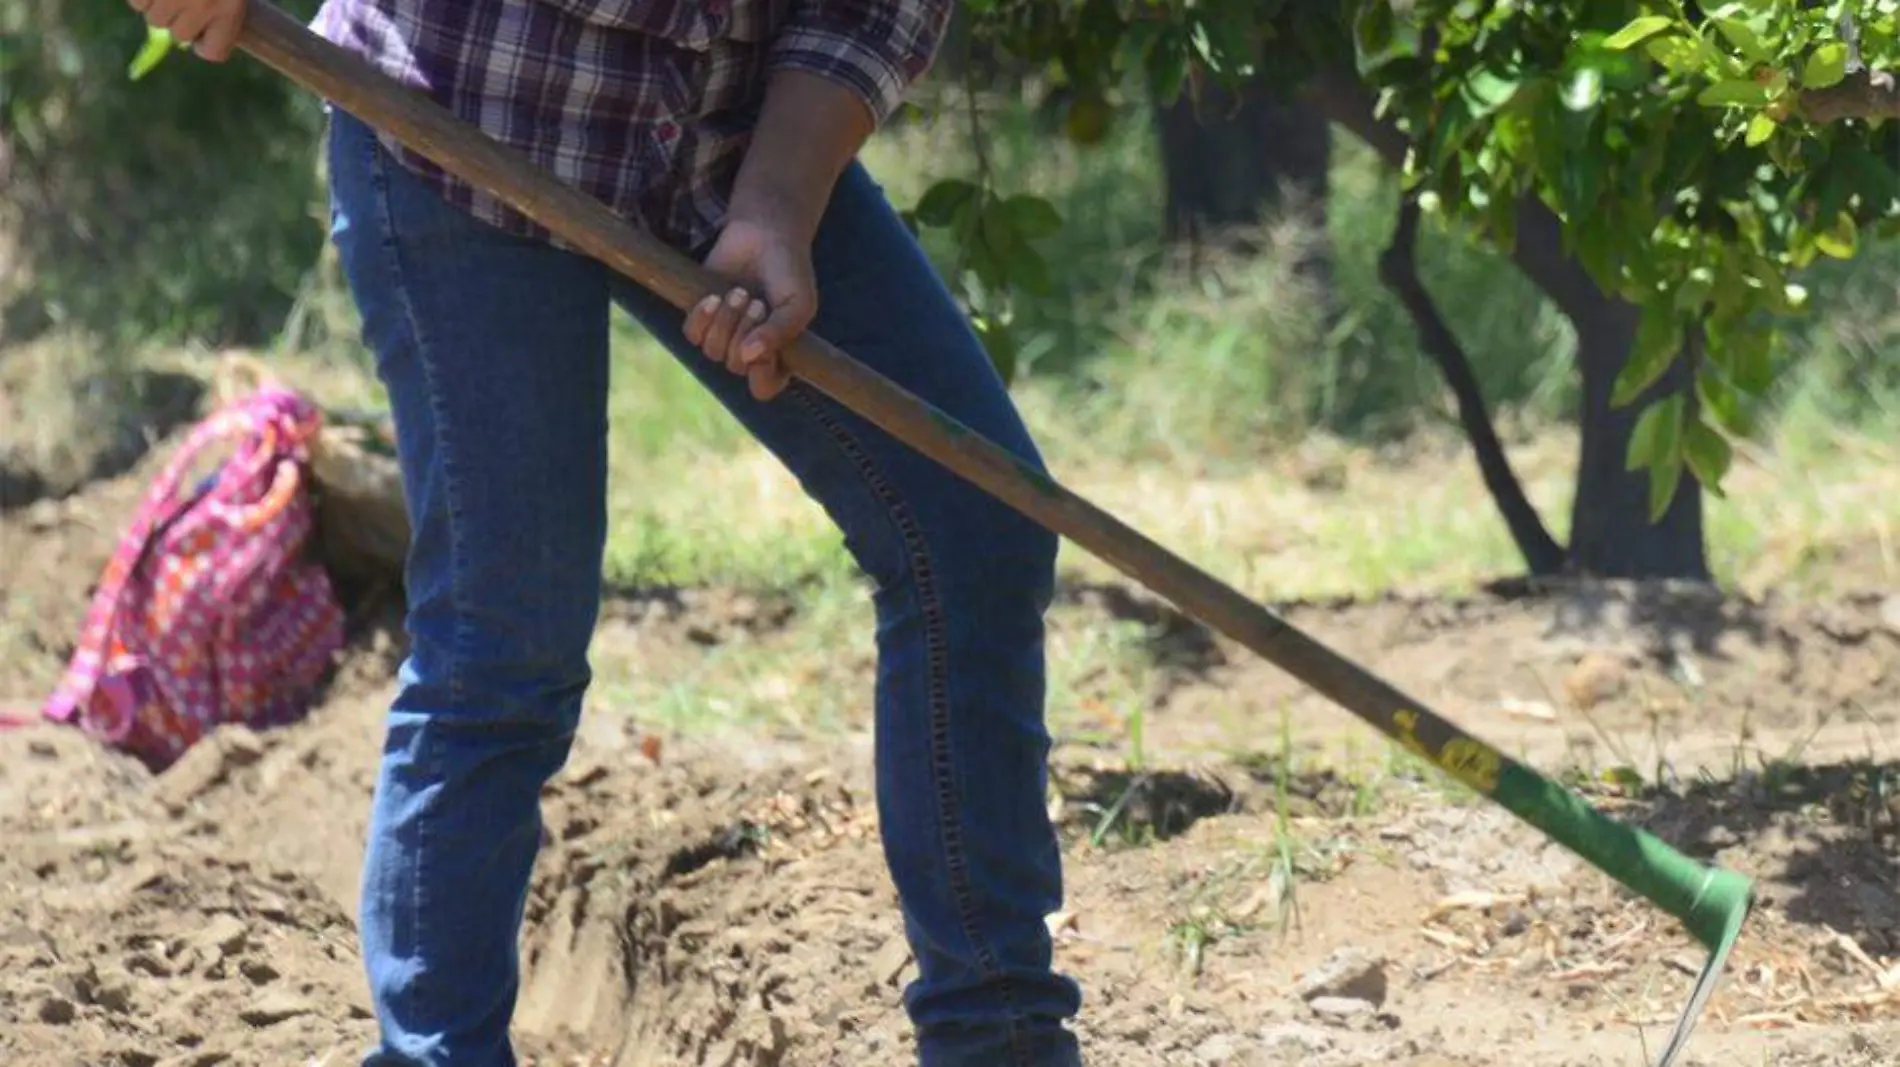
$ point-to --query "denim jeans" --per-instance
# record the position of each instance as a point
(494, 352)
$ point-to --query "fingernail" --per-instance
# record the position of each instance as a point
(736, 299)
(756, 311)
(709, 305)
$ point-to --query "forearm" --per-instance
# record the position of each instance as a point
(809, 129)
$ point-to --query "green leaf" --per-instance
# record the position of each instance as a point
(1681, 55)
(1373, 30)
(1725, 402)
(1032, 217)
(1656, 435)
(158, 44)
(1708, 454)
(1665, 475)
(1488, 91)
(1028, 267)
(1744, 38)
(1584, 90)
(1658, 338)
(1636, 31)
(1840, 241)
(1746, 355)
(1827, 66)
(943, 202)
(1694, 291)
(1760, 128)
(1656, 443)
(1737, 91)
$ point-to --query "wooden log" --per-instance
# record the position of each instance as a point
(362, 522)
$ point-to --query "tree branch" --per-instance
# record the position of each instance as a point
(1398, 269)
(1539, 250)
(1861, 95)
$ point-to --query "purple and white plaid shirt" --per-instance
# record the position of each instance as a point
(646, 105)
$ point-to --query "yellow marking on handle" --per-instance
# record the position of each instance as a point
(1469, 760)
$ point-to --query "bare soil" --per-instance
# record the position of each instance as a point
(722, 901)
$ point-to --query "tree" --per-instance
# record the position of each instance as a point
(1661, 170)
(1228, 155)
(166, 208)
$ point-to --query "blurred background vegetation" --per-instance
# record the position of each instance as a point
(1230, 339)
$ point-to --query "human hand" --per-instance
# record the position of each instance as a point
(773, 300)
(211, 27)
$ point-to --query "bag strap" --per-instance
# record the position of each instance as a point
(160, 506)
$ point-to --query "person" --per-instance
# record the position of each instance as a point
(730, 129)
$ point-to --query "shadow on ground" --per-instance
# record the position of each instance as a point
(1823, 840)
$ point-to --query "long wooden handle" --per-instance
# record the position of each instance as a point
(1675, 883)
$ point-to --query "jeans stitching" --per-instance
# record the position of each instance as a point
(949, 822)
(458, 600)
(431, 766)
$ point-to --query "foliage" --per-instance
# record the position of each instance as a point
(176, 206)
(1699, 159)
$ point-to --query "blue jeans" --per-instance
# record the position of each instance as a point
(494, 352)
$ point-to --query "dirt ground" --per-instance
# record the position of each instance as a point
(726, 903)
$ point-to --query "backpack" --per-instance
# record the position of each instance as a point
(211, 610)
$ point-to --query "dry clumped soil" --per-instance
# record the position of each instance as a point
(722, 901)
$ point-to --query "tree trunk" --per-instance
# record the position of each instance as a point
(1610, 532)
(1228, 160)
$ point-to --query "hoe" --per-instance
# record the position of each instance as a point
(1710, 903)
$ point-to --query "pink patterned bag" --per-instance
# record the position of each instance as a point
(210, 612)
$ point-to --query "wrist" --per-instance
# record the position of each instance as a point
(780, 203)
(809, 129)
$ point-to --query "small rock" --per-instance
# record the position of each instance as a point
(226, 933)
(1350, 973)
(57, 1011)
(111, 990)
(1890, 613)
(891, 960)
(259, 972)
(1294, 1041)
(1597, 677)
(1342, 1009)
(1528, 709)
(208, 765)
(147, 964)
(1842, 627)
(275, 1007)
(198, 1058)
(1218, 1050)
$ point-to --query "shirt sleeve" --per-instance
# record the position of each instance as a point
(877, 48)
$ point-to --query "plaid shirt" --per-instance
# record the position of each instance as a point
(646, 105)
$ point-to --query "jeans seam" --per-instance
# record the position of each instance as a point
(430, 758)
(949, 818)
(438, 416)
